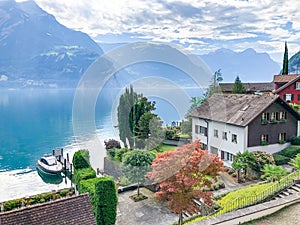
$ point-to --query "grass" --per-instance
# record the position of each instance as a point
(165, 148)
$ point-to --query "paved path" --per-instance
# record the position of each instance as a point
(145, 212)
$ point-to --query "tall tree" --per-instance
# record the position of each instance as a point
(285, 67)
(214, 86)
(136, 164)
(126, 102)
(130, 109)
(181, 175)
(238, 87)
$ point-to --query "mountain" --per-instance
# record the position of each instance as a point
(36, 50)
(249, 65)
(294, 63)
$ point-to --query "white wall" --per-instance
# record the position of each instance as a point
(200, 122)
(228, 145)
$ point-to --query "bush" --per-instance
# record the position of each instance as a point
(12, 204)
(120, 153)
(290, 151)
(295, 140)
(280, 159)
(111, 152)
(111, 143)
(81, 159)
(84, 174)
(103, 195)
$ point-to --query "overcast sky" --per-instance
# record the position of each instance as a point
(199, 25)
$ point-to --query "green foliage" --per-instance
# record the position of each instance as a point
(295, 163)
(238, 87)
(295, 140)
(260, 159)
(186, 126)
(103, 195)
(290, 151)
(273, 172)
(12, 204)
(196, 102)
(81, 159)
(119, 153)
(136, 164)
(84, 174)
(156, 135)
(285, 68)
(280, 159)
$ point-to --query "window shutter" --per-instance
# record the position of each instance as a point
(292, 97)
(284, 97)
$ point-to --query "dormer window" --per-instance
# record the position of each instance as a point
(288, 97)
(297, 86)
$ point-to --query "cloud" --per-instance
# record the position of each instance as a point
(209, 21)
(3, 78)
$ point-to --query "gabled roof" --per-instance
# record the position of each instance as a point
(287, 84)
(237, 109)
(250, 87)
(73, 210)
(284, 78)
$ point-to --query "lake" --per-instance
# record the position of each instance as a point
(33, 122)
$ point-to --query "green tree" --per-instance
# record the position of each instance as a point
(156, 134)
(273, 172)
(214, 86)
(285, 67)
(126, 102)
(186, 126)
(295, 163)
(196, 102)
(238, 87)
(243, 161)
(131, 107)
(136, 164)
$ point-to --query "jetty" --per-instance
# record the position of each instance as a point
(67, 165)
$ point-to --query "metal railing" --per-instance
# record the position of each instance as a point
(245, 201)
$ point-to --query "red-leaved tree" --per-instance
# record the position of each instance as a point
(181, 175)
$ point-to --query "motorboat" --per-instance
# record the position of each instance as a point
(49, 164)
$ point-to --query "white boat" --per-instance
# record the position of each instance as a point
(49, 164)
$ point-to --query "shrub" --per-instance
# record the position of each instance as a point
(290, 151)
(261, 158)
(295, 140)
(111, 152)
(81, 159)
(12, 204)
(84, 174)
(111, 143)
(120, 153)
(103, 195)
(280, 159)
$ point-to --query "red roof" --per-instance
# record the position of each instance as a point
(285, 78)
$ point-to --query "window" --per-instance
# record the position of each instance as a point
(264, 140)
(197, 129)
(224, 135)
(265, 118)
(216, 133)
(299, 97)
(282, 116)
(273, 116)
(288, 97)
(203, 131)
(282, 137)
(228, 156)
(297, 86)
(234, 138)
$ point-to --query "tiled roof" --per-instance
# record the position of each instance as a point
(250, 87)
(73, 210)
(287, 84)
(284, 78)
(236, 109)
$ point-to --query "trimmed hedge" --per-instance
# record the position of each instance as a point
(290, 151)
(281, 159)
(295, 140)
(103, 195)
(84, 174)
(81, 159)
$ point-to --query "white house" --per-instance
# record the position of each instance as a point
(230, 123)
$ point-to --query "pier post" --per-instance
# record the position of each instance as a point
(68, 157)
(65, 164)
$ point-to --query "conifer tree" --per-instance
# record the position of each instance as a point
(285, 68)
(238, 87)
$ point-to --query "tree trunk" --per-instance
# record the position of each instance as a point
(138, 188)
(238, 176)
(180, 221)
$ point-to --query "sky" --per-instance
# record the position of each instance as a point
(201, 26)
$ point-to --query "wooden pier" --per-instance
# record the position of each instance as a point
(67, 165)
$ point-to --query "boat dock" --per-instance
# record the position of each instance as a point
(67, 165)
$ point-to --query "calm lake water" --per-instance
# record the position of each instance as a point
(33, 122)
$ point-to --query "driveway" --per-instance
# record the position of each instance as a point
(145, 212)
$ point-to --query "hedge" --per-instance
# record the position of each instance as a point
(281, 159)
(103, 197)
(81, 159)
(84, 174)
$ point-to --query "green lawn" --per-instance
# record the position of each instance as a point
(165, 148)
